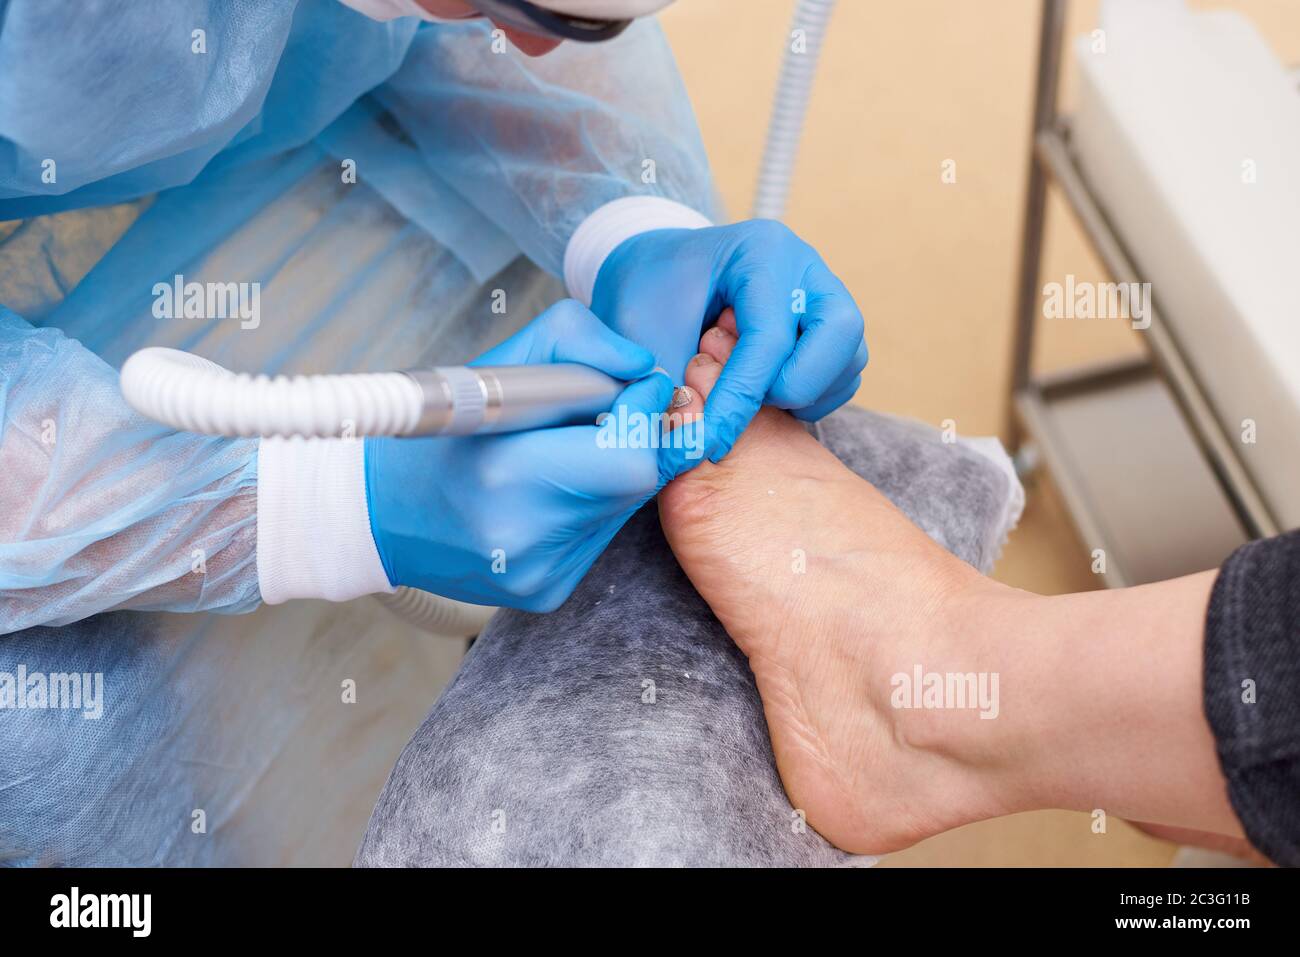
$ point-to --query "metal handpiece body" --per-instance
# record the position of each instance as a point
(187, 392)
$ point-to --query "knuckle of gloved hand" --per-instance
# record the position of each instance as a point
(770, 232)
(793, 392)
(546, 601)
(525, 580)
(844, 318)
(861, 357)
(567, 317)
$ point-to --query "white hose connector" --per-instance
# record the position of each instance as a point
(190, 393)
(436, 614)
(793, 91)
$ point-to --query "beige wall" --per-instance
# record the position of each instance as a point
(904, 85)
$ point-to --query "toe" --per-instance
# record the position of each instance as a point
(687, 406)
(702, 374)
(718, 343)
(688, 400)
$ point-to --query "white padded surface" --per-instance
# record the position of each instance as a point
(1167, 117)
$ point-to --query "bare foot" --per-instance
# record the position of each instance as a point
(829, 590)
(834, 595)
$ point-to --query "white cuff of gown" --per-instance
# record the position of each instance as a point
(313, 524)
(600, 233)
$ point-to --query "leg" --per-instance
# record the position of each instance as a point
(869, 665)
(625, 728)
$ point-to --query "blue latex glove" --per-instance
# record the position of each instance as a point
(517, 519)
(661, 288)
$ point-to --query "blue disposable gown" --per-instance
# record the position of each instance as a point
(142, 140)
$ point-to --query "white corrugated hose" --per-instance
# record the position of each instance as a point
(793, 91)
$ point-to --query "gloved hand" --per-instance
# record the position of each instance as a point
(517, 519)
(801, 335)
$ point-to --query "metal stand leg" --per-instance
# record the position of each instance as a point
(1052, 30)
(1149, 416)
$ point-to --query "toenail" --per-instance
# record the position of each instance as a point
(682, 395)
(703, 359)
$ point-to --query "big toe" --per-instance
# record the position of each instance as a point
(702, 375)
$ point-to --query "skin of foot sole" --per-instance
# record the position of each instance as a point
(828, 590)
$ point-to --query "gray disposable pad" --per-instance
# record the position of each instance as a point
(543, 752)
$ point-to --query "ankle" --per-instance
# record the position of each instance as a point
(945, 685)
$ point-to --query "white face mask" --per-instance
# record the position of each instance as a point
(392, 9)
